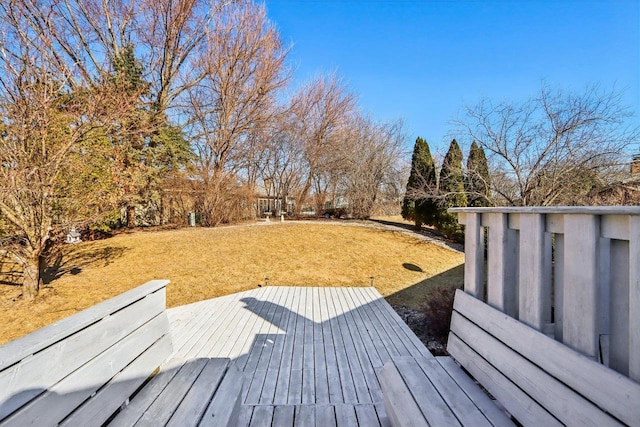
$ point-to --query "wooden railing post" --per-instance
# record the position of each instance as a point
(534, 288)
(581, 277)
(634, 297)
(558, 287)
(619, 307)
(474, 256)
(502, 290)
(583, 290)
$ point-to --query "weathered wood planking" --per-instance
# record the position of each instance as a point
(550, 210)
(496, 415)
(224, 408)
(502, 260)
(346, 381)
(526, 411)
(262, 416)
(101, 356)
(634, 298)
(283, 415)
(464, 408)
(59, 400)
(558, 287)
(569, 407)
(194, 403)
(553, 368)
(187, 393)
(534, 287)
(302, 346)
(285, 365)
(336, 337)
(405, 340)
(572, 271)
(38, 372)
(402, 406)
(100, 407)
(267, 342)
(581, 274)
(331, 355)
(474, 254)
(145, 397)
(321, 415)
(273, 371)
(422, 383)
(619, 321)
(14, 351)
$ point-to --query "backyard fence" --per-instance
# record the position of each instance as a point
(572, 273)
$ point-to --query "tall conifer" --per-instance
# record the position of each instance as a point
(478, 180)
(452, 191)
(417, 206)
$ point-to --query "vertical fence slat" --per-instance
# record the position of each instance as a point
(578, 268)
(534, 292)
(634, 297)
(558, 286)
(581, 277)
(548, 277)
(619, 307)
(502, 264)
(604, 297)
(474, 255)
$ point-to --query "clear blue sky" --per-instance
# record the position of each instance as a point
(423, 60)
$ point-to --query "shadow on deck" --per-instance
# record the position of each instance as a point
(306, 353)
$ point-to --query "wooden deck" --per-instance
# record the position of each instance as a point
(310, 356)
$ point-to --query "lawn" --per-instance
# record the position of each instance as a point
(204, 263)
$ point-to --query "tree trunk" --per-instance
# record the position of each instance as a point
(162, 221)
(131, 216)
(303, 195)
(31, 279)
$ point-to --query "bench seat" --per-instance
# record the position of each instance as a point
(96, 367)
(535, 379)
(435, 392)
(538, 380)
(187, 393)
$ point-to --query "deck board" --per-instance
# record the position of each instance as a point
(309, 355)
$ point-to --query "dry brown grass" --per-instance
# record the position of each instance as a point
(204, 263)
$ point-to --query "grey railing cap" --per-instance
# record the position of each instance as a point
(576, 210)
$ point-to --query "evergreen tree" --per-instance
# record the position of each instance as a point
(478, 181)
(146, 147)
(452, 191)
(417, 205)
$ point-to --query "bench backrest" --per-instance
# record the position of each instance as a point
(87, 364)
(540, 381)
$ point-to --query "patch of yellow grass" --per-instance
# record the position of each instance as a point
(205, 263)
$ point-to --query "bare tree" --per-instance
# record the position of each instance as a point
(280, 159)
(54, 125)
(322, 108)
(155, 42)
(370, 162)
(544, 147)
(242, 64)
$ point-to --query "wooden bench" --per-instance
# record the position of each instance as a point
(85, 369)
(426, 391)
(538, 380)
(205, 392)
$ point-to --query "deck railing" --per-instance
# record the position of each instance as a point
(572, 273)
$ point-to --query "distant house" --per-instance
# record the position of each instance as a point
(268, 201)
(625, 192)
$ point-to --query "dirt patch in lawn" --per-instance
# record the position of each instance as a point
(205, 263)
